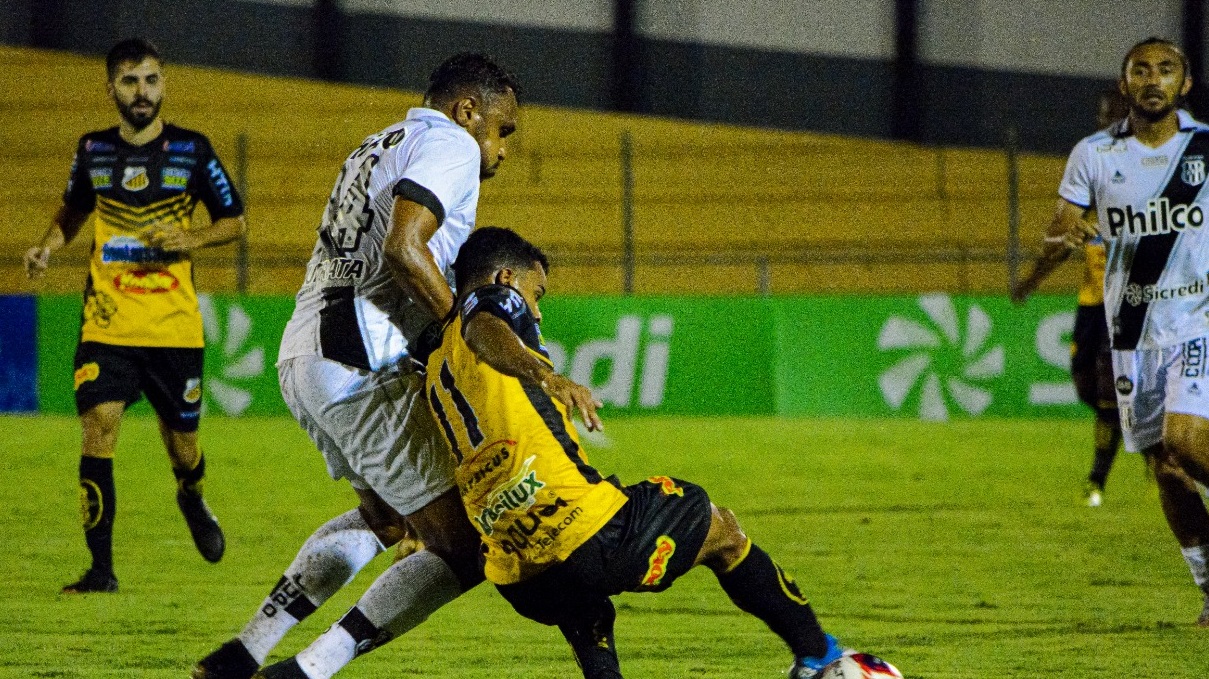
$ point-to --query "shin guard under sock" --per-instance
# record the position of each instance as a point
(97, 506)
(758, 586)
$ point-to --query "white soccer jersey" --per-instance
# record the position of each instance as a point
(1151, 208)
(349, 308)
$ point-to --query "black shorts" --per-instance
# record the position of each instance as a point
(652, 540)
(1091, 358)
(170, 377)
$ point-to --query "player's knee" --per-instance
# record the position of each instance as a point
(100, 421)
(726, 543)
(388, 527)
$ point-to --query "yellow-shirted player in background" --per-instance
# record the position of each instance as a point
(1091, 359)
(559, 539)
(141, 330)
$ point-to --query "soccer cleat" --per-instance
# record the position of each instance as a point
(286, 669)
(1093, 495)
(229, 661)
(808, 668)
(93, 581)
(207, 535)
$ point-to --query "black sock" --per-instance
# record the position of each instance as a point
(1107, 439)
(365, 634)
(97, 505)
(592, 641)
(759, 586)
(190, 480)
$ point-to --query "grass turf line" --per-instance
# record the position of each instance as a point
(955, 551)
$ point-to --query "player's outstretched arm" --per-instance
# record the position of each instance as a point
(406, 250)
(63, 230)
(1067, 232)
(494, 343)
(174, 239)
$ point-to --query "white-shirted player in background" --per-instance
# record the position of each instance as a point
(403, 204)
(1145, 177)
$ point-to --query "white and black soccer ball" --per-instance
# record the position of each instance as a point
(860, 666)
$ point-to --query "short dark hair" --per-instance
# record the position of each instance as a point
(490, 248)
(1155, 40)
(470, 70)
(131, 49)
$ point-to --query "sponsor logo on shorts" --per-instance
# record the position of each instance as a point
(1124, 386)
(91, 504)
(519, 492)
(135, 178)
(140, 282)
(1194, 358)
(87, 373)
(175, 178)
(667, 485)
(665, 547)
(102, 177)
(193, 390)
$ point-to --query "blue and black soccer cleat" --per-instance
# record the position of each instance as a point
(808, 668)
(229, 661)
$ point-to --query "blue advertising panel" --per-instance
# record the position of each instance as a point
(18, 354)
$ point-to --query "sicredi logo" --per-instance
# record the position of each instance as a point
(626, 378)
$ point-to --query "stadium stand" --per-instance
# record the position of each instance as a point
(716, 209)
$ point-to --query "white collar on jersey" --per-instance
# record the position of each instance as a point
(422, 112)
(1187, 122)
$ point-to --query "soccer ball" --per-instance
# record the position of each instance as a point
(860, 666)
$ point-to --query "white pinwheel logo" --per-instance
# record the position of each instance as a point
(240, 362)
(942, 366)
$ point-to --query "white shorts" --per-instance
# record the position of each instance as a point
(373, 428)
(1153, 382)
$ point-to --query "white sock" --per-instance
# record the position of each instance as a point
(399, 600)
(1198, 562)
(327, 561)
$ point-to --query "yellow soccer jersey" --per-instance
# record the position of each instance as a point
(523, 477)
(136, 294)
(1091, 292)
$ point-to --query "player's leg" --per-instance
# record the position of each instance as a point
(759, 586)
(1185, 460)
(334, 553)
(403, 596)
(172, 381)
(401, 454)
(105, 383)
(1107, 427)
(1091, 373)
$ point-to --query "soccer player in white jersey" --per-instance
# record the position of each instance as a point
(403, 204)
(1145, 178)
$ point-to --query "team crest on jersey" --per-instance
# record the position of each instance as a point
(135, 178)
(1124, 386)
(1192, 170)
(193, 390)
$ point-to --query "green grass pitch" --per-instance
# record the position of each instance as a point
(952, 550)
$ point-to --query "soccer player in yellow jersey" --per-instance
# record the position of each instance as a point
(1091, 358)
(141, 330)
(558, 538)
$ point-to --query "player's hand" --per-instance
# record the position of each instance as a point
(1080, 232)
(36, 260)
(170, 238)
(576, 397)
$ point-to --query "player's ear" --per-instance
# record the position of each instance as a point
(1187, 86)
(1123, 89)
(505, 276)
(463, 111)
